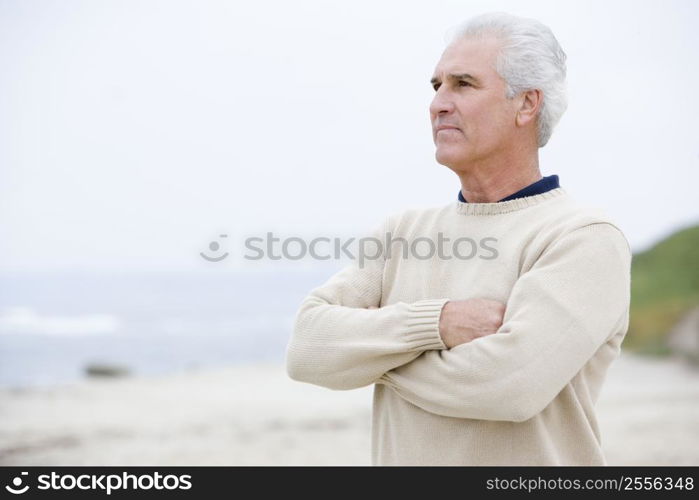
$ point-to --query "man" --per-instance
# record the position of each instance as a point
(495, 359)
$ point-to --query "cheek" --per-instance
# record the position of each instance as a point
(489, 120)
(475, 115)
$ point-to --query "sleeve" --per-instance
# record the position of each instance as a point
(340, 344)
(574, 298)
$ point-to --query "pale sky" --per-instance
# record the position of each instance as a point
(132, 133)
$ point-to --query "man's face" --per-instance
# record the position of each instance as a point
(471, 117)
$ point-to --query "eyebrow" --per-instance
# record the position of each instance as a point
(455, 76)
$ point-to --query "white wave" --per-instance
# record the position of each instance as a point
(25, 320)
(224, 326)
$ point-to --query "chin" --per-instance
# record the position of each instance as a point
(450, 156)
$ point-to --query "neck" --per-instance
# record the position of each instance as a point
(491, 181)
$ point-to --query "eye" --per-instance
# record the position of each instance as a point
(435, 86)
(464, 83)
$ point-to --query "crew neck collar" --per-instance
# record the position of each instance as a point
(501, 207)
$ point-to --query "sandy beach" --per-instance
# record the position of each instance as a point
(255, 415)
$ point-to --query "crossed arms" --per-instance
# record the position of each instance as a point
(441, 356)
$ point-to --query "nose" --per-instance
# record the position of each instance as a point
(441, 103)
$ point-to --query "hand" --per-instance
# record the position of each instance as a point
(462, 321)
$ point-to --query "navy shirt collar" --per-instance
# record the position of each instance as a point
(541, 186)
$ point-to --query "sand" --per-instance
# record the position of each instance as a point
(255, 415)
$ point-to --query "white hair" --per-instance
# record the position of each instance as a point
(530, 58)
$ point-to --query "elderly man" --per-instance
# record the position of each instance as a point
(496, 359)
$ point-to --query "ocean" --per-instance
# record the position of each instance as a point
(54, 324)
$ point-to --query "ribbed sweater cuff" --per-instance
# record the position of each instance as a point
(422, 324)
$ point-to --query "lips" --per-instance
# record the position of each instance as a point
(446, 127)
(446, 131)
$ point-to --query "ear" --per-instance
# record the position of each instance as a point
(530, 102)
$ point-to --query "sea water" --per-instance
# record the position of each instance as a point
(54, 324)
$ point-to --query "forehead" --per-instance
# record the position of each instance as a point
(476, 56)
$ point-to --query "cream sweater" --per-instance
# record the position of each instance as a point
(524, 395)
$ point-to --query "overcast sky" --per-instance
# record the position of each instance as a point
(133, 133)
